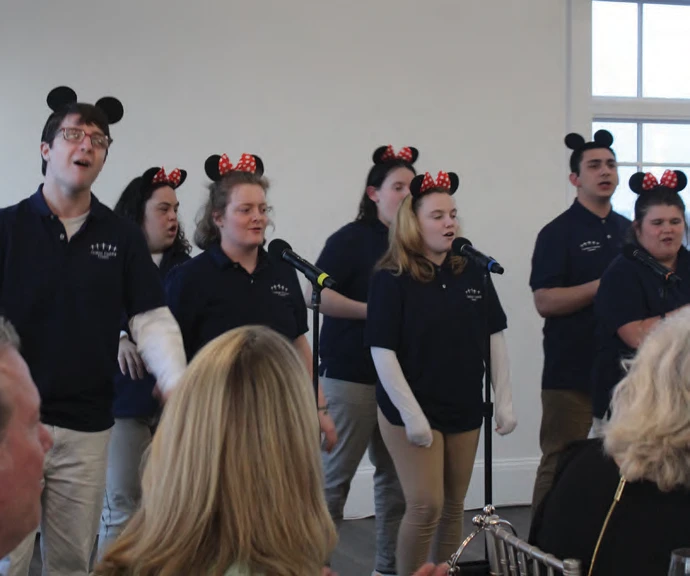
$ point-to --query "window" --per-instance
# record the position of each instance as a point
(640, 86)
(639, 49)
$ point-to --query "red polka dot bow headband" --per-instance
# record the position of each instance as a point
(218, 166)
(157, 175)
(387, 154)
(425, 183)
(173, 179)
(642, 182)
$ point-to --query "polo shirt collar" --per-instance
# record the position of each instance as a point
(39, 204)
(584, 214)
(223, 261)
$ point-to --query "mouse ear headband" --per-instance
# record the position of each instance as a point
(218, 166)
(425, 183)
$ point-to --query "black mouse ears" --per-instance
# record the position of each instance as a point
(218, 166)
(62, 96)
(423, 183)
(155, 175)
(642, 182)
(387, 153)
(602, 139)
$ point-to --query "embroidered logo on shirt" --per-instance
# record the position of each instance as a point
(280, 290)
(590, 246)
(103, 250)
(473, 294)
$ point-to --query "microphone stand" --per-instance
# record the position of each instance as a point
(482, 567)
(315, 306)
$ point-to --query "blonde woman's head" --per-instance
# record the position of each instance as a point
(234, 471)
(649, 431)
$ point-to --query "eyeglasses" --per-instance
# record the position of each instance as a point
(98, 140)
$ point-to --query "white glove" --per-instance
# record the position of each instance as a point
(159, 342)
(500, 380)
(395, 384)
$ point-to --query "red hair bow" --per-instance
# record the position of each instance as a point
(173, 179)
(246, 163)
(442, 181)
(669, 179)
(404, 154)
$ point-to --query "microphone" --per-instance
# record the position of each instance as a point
(633, 252)
(463, 247)
(283, 251)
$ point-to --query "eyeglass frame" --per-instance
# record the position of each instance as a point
(84, 133)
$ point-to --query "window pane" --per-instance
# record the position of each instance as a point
(623, 199)
(624, 138)
(665, 49)
(614, 49)
(666, 143)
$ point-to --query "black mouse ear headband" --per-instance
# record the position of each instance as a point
(423, 183)
(642, 182)
(218, 166)
(386, 153)
(157, 175)
(602, 139)
(62, 96)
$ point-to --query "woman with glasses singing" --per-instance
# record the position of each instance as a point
(235, 282)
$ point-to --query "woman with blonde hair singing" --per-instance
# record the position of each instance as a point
(233, 483)
(425, 327)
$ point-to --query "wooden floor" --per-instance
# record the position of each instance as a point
(355, 553)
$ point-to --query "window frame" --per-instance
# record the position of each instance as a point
(584, 108)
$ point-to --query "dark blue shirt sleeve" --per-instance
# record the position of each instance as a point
(550, 259)
(181, 306)
(336, 258)
(384, 311)
(621, 297)
(143, 289)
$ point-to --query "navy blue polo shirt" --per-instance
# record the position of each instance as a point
(66, 300)
(573, 249)
(629, 291)
(436, 330)
(211, 294)
(349, 256)
(134, 398)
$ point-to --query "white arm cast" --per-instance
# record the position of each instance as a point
(159, 342)
(500, 379)
(395, 384)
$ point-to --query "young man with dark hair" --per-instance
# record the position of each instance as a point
(68, 268)
(570, 255)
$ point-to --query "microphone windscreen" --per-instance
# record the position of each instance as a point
(277, 247)
(458, 244)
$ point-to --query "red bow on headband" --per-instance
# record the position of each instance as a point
(404, 154)
(669, 179)
(173, 179)
(442, 181)
(246, 163)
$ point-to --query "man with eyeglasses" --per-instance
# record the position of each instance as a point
(68, 267)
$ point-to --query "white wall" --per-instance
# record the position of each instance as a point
(479, 86)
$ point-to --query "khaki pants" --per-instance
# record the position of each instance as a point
(566, 417)
(353, 408)
(434, 481)
(72, 499)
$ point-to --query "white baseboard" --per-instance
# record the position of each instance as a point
(513, 482)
